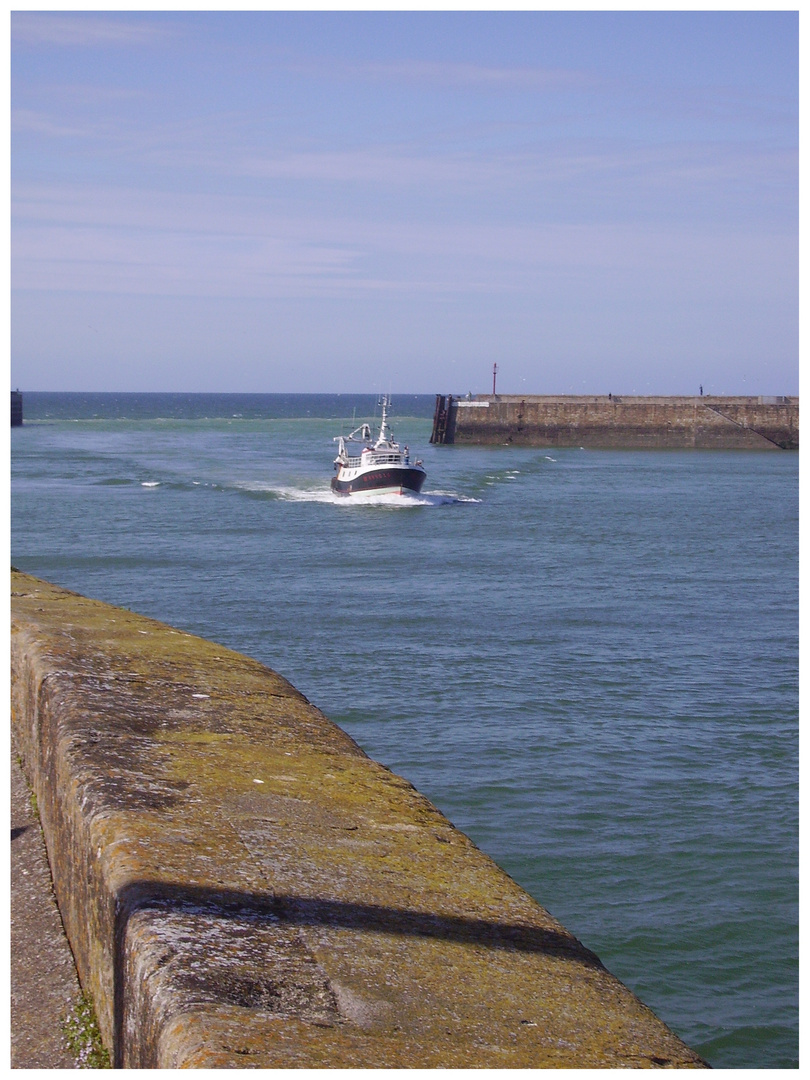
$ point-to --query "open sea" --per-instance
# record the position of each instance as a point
(587, 659)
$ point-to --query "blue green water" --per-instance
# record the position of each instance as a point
(588, 660)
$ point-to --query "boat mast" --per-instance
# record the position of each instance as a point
(385, 402)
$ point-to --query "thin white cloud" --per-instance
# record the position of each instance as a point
(33, 121)
(365, 166)
(46, 28)
(450, 74)
(225, 146)
(114, 240)
(215, 148)
(86, 95)
(623, 178)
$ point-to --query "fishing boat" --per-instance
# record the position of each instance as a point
(380, 468)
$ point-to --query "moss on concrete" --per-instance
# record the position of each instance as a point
(83, 1038)
(243, 887)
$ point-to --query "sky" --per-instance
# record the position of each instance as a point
(355, 202)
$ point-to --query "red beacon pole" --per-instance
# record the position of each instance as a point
(494, 373)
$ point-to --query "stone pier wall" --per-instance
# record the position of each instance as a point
(620, 422)
(242, 887)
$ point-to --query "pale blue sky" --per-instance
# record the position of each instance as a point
(341, 202)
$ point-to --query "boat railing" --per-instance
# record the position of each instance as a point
(374, 458)
(386, 459)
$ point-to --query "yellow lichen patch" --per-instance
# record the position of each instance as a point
(206, 738)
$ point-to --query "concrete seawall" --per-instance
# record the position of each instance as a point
(242, 887)
(620, 422)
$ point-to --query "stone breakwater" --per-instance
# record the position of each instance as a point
(243, 887)
(620, 422)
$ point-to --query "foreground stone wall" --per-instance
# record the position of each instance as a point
(243, 887)
(701, 423)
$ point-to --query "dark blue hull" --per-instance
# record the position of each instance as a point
(382, 481)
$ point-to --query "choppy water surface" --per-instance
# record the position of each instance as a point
(588, 660)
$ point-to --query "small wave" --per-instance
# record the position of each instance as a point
(172, 485)
(123, 481)
(451, 497)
